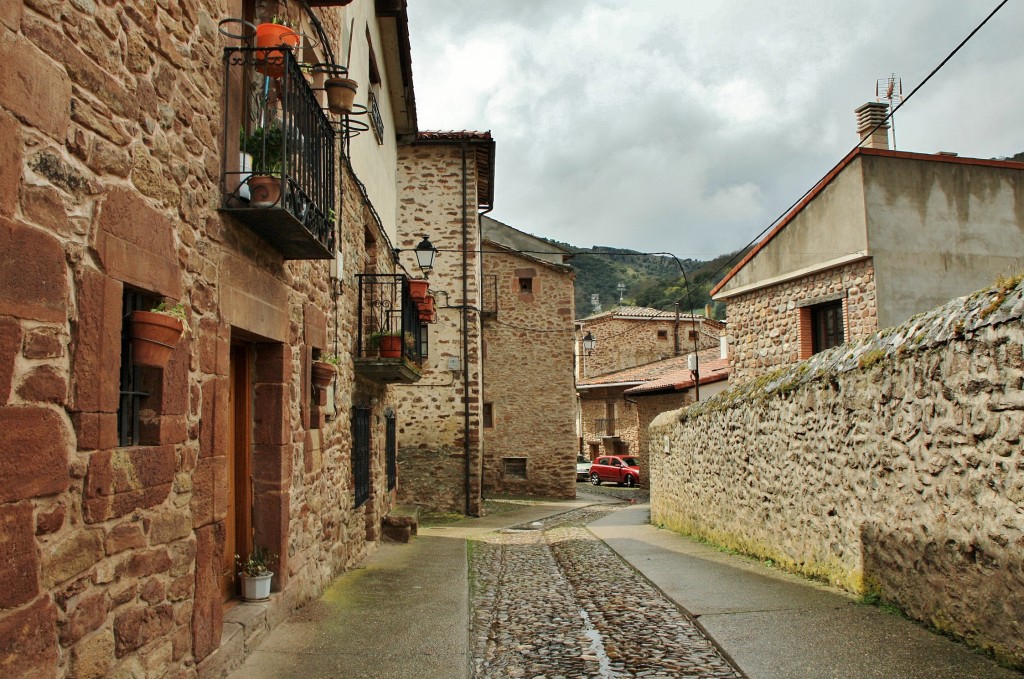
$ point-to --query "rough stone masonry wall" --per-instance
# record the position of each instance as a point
(627, 343)
(432, 462)
(764, 325)
(528, 379)
(891, 465)
(109, 128)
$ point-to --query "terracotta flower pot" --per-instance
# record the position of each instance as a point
(426, 307)
(418, 289)
(264, 190)
(322, 374)
(154, 337)
(271, 62)
(390, 346)
(341, 94)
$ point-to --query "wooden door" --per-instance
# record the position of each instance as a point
(238, 524)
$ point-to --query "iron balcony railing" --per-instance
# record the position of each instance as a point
(386, 310)
(278, 167)
(605, 425)
(489, 294)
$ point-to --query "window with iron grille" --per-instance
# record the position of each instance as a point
(132, 395)
(376, 121)
(391, 446)
(515, 467)
(361, 454)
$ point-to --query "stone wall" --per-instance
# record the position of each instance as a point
(628, 342)
(110, 136)
(890, 465)
(594, 405)
(434, 432)
(764, 325)
(528, 378)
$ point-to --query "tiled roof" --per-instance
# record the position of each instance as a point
(681, 378)
(646, 313)
(652, 372)
(833, 173)
(454, 135)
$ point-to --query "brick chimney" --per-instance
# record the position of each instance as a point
(868, 116)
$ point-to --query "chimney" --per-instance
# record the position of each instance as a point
(868, 116)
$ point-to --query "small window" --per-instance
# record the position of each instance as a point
(526, 286)
(515, 467)
(133, 395)
(827, 325)
(488, 415)
(424, 340)
(663, 334)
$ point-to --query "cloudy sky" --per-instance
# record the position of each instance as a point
(689, 126)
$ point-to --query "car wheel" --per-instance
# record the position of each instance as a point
(595, 479)
(630, 482)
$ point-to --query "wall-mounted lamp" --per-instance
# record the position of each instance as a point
(425, 253)
(589, 342)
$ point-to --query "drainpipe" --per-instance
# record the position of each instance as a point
(465, 328)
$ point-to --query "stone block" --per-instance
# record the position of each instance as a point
(28, 641)
(50, 520)
(213, 427)
(43, 342)
(10, 158)
(314, 326)
(271, 512)
(39, 92)
(43, 206)
(207, 611)
(45, 384)
(87, 615)
(33, 453)
(92, 658)
(136, 627)
(122, 480)
(271, 414)
(10, 14)
(95, 431)
(272, 466)
(97, 340)
(67, 558)
(153, 591)
(209, 491)
(145, 563)
(19, 562)
(10, 346)
(273, 364)
(127, 535)
(33, 273)
(170, 526)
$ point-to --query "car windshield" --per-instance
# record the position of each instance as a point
(631, 461)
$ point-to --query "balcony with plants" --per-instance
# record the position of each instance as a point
(278, 174)
(389, 337)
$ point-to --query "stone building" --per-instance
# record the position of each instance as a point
(617, 408)
(446, 181)
(529, 390)
(885, 235)
(132, 135)
(631, 336)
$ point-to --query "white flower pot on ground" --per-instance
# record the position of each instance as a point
(256, 587)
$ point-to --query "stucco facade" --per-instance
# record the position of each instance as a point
(528, 373)
(889, 233)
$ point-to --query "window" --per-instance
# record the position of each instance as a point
(373, 93)
(827, 326)
(391, 448)
(488, 415)
(132, 394)
(361, 454)
(424, 340)
(663, 334)
(515, 468)
(526, 286)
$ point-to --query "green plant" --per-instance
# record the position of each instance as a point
(333, 359)
(265, 145)
(176, 311)
(375, 337)
(257, 563)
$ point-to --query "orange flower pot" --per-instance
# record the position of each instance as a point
(391, 346)
(271, 62)
(418, 289)
(322, 374)
(154, 337)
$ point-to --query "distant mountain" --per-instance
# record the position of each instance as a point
(647, 280)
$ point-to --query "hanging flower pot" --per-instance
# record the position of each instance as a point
(271, 62)
(264, 190)
(341, 95)
(154, 337)
(426, 307)
(418, 289)
(322, 374)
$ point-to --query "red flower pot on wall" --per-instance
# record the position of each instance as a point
(418, 289)
(391, 346)
(426, 308)
(322, 374)
(154, 337)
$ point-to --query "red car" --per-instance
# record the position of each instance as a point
(620, 469)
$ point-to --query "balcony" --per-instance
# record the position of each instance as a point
(277, 175)
(388, 314)
(605, 425)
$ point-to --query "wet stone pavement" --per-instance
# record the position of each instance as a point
(551, 600)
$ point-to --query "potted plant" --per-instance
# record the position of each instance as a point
(341, 94)
(388, 343)
(255, 573)
(155, 333)
(265, 146)
(418, 288)
(274, 33)
(323, 371)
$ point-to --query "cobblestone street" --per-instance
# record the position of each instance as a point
(551, 600)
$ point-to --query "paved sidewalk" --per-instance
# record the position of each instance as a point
(405, 613)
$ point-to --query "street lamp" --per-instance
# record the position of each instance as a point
(589, 342)
(425, 253)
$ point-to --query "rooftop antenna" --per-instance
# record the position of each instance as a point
(621, 287)
(890, 89)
